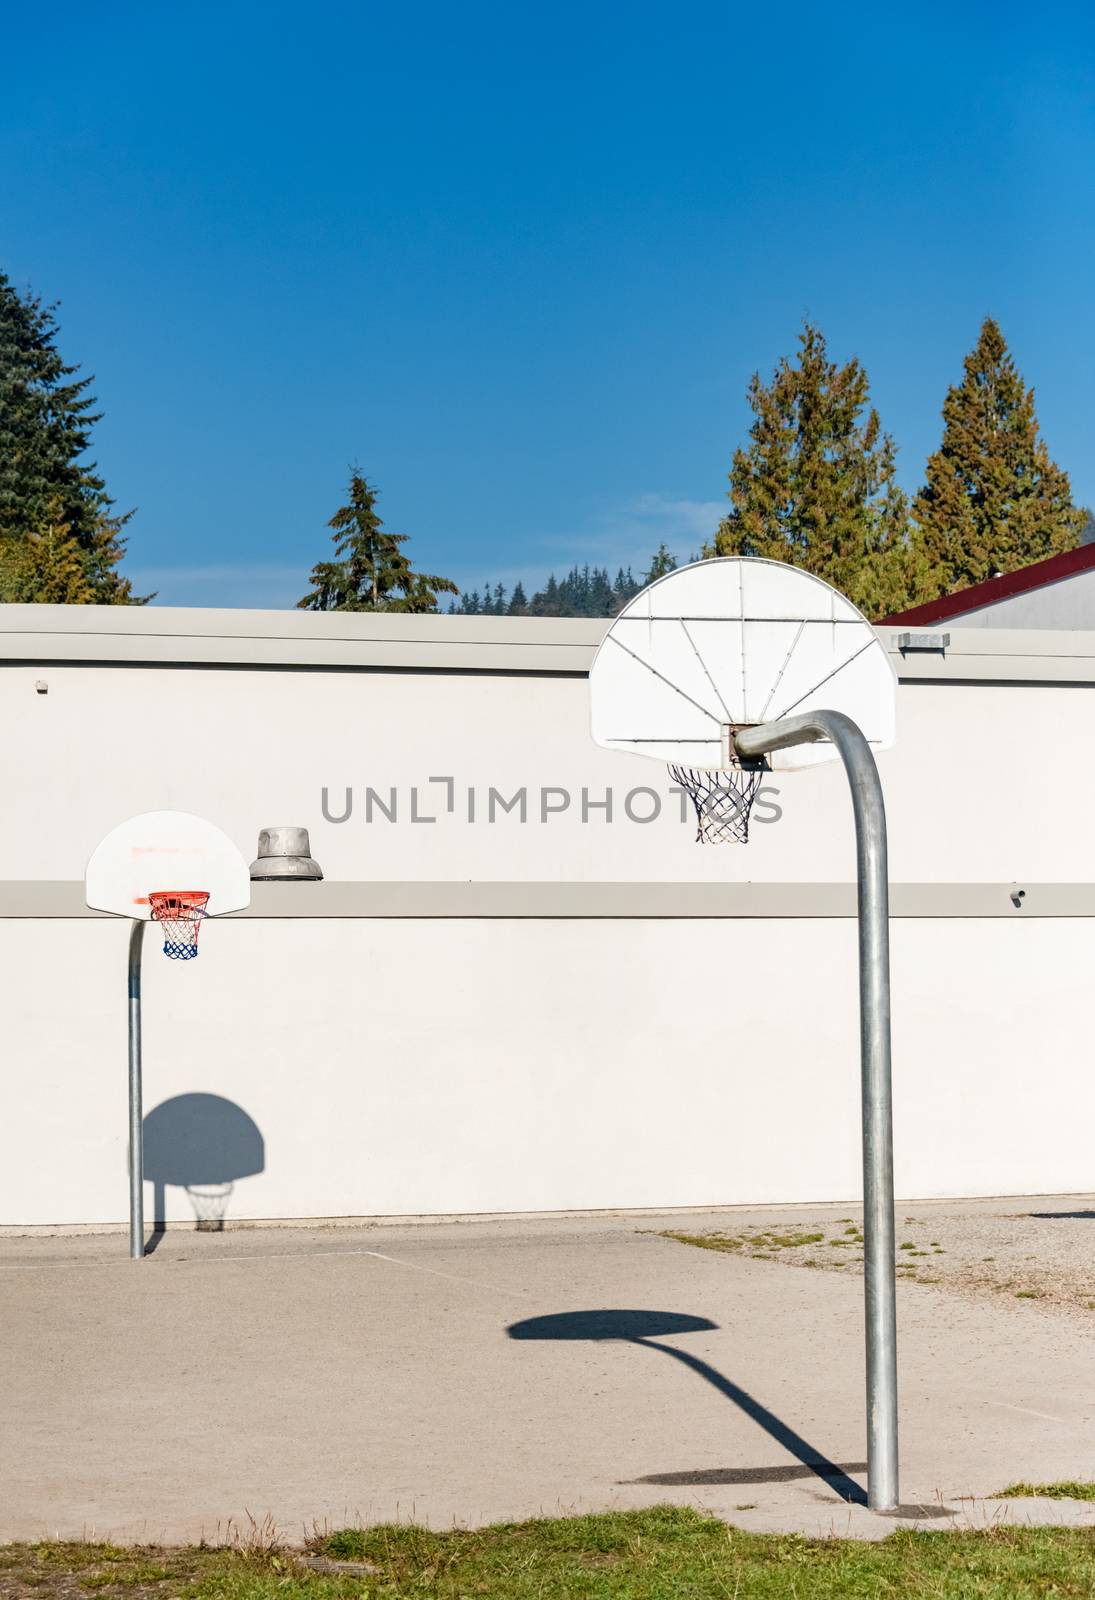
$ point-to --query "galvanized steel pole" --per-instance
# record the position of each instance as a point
(874, 1034)
(136, 1121)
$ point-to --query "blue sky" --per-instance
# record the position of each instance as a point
(519, 263)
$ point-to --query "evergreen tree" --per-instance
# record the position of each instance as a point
(602, 598)
(545, 603)
(661, 563)
(573, 588)
(49, 567)
(582, 592)
(373, 574)
(46, 418)
(993, 500)
(1087, 529)
(625, 588)
(817, 483)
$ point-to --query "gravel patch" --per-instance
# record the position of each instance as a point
(1030, 1251)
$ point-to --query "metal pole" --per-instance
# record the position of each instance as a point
(136, 1121)
(874, 1035)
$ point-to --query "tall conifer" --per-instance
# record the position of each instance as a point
(373, 573)
(994, 501)
(817, 484)
(46, 482)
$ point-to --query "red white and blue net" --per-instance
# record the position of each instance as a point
(179, 913)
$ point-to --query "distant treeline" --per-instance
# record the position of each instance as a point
(584, 592)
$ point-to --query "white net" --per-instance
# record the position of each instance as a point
(723, 800)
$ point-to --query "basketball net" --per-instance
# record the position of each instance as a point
(179, 913)
(723, 796)
(723, 799)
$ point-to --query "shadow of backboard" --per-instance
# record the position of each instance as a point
(204, 1144)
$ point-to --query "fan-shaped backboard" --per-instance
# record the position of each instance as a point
(165, 850)
(736, 641)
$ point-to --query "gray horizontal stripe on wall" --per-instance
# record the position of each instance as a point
(38, 898)
(111, 637)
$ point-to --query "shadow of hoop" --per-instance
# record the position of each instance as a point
(648, 1329)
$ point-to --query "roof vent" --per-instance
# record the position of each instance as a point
(923, 641)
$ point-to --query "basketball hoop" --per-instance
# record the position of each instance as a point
(723, 798)
(736, 664)
(179, 913)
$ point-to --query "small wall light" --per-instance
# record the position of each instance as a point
(285, 853)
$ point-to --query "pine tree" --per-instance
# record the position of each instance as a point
(373, 574)
(663, 561)
(518, 602)
(49, 567)
(993, 500)
(574, 592)
(602, 598)
(546, 602)
(46, 418)
(817, 483)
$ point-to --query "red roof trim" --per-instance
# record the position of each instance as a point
(1036, 576)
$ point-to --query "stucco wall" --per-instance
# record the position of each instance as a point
(968, 798)
(469, 1064)
(408, 1067)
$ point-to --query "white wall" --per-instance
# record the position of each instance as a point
(424, 1066)
(402, 1067)
(969, 800)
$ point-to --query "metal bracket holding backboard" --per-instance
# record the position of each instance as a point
(924, 641)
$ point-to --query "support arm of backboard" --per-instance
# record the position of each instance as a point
(874, 1031)
(136, 1119)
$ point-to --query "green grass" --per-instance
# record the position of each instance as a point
(707, 1241)
(789, 1241)
(1049, 1491)
(760, 1242)
(668, 1553)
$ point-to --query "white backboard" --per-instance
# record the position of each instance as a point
(165, 850)
(736, 640)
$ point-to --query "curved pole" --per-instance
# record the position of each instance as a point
(874, 1034)
(136, 1123)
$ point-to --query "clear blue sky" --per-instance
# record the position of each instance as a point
(519, 262)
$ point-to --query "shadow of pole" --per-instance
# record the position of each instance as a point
(159, 1216)
(647, 1329)
(774, 1426)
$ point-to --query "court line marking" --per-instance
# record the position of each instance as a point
(1027, 1411)
(273, 1255)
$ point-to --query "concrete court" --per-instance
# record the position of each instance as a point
(342, 1375)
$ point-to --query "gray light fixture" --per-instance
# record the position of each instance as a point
(285, 853)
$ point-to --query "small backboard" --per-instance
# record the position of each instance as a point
(729, 643)
(161, 852)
